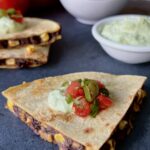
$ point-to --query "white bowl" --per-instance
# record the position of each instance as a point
(90, 11)
(125, 53)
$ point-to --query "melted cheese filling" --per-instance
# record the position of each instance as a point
(59, 138)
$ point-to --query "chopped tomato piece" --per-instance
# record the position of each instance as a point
(17, 19)
(104, 101)
(81, 107)
(75, 89)
(101, 85)
(80, 92)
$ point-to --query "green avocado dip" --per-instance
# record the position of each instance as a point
(11, 21)
(8, 25)
(134, 32)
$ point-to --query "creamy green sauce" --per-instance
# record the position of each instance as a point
(134, 32)
(8, 25)
(57, 102)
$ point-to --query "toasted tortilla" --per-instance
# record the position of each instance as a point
(33, 98)
(35, 26)
(40, 55)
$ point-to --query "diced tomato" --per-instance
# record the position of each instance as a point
(104, 101)
(80, 92)
(101, 85)
(17, 19)
(75, 89)
(81, 107)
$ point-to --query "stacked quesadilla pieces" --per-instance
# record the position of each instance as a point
(29, 102)
(30, 46)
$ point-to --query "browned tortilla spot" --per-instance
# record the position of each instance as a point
(88, 130)
(130, 96)
(89, 146)
(112, 127)
(107, 124)
(119, 114)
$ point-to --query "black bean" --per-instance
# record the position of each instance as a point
(16, 111)
(35, 40)
(2, 62)
(104, 91)
(24, 41)
(4, 44)
(36, 125)
(22, 63)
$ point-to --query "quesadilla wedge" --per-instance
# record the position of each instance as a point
(18, 33)
(30, 102)
(28, 56)
(37, 32)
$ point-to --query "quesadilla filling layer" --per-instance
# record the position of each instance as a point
(82, 97)
(51, 135)
(12, 21)
(20, 62)
(43, 39)
(23, 42)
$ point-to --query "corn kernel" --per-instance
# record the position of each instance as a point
(29, 120)
(13, 43)
(49, 138)
(58, 37)
(22, 116)
(10, 61)
(112, 144)
(30, 49)
(10, 105)
(44, 37)
(136, 107)
(59, 138)
(140, 95)
(122, 124)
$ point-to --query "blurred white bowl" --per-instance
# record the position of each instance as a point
(125, 53)
(90, 11)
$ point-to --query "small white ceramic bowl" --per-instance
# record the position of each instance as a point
(90, 11)
(125, 53)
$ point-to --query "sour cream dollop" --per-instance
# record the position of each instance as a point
(57, 102)
(7, 25)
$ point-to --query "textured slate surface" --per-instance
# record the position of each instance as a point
(78, 51)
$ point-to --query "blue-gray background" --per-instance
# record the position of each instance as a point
(77, 51)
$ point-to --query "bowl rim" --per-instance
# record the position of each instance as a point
(119, 46)
(98, 0)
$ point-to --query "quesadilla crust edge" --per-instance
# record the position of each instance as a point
(33, 96)
(35, 26)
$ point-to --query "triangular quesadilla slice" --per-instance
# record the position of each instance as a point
(37, 32)
(27, 56)
(30, 102)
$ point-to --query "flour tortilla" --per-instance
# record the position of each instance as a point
(41, 54)
(35, 26)
(33, 98)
